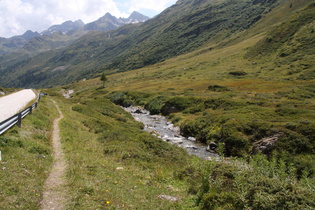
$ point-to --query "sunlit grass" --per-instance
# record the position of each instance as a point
(112, 162)
(26, 159)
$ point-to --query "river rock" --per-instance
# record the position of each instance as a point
(169, 198)
(175, 140)
(191, 147)
(138, 111)
(266, 145)
(191, 138)
(67, 93)
(213, 146)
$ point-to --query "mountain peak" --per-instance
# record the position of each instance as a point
(109, 22)
(138, 16)
(65, 27)
(135, 17)
(30, 34)
(135, 14)
(108, 15)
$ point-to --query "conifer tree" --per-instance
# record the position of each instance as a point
(104, 79)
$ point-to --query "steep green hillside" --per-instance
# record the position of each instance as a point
(290, 45)
(48, 42)
(179, 29)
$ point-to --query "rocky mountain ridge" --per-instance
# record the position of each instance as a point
(65, 27)
(63, 34)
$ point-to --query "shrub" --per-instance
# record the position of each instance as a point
(259, 184)
(294, 143)
(10, 142)
(218, 88)
(38, 149)
(197, 128)
(155, 104)
(176, 104)
(77, 108)
(118, 97)
(236, 143)
(305, 165)
(284, 111)
(238, 73)
(219, 103)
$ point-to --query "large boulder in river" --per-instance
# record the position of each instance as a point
(266, 145)
(138, 111)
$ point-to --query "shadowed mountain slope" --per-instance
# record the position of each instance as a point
(182, 28)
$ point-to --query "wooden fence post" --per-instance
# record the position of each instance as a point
(31, 109)
(19, 122)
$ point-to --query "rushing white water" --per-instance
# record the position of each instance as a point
(161, 127)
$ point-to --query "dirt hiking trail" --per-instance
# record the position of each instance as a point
(54, 195)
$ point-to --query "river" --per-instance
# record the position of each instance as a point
(164, 129)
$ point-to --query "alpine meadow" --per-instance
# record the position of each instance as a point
(235, 76)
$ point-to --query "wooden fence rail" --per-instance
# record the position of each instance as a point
(17, 119)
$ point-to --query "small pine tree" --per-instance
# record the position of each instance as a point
(103, 79)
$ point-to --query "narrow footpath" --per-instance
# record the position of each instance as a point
(54, 196)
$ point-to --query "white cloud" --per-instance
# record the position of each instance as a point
(17, 16)
(158, 6)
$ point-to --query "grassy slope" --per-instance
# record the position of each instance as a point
(274, 101)
(274, 92)
(98, 137)
(26, 159)
(181, 28)
(115, 165)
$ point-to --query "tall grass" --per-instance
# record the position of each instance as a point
(26, 159)
(112, 162)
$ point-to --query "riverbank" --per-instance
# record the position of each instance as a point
(159, 126)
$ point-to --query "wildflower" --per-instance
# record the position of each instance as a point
(107, 202)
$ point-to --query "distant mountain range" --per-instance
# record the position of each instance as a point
(106, 23)
(65, 27)
(184, 27)
(109, 22)
(62, 35)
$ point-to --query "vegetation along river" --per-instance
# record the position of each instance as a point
(162, 128)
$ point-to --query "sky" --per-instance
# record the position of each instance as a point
(18, 16)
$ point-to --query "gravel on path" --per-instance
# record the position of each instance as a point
(54, 195)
